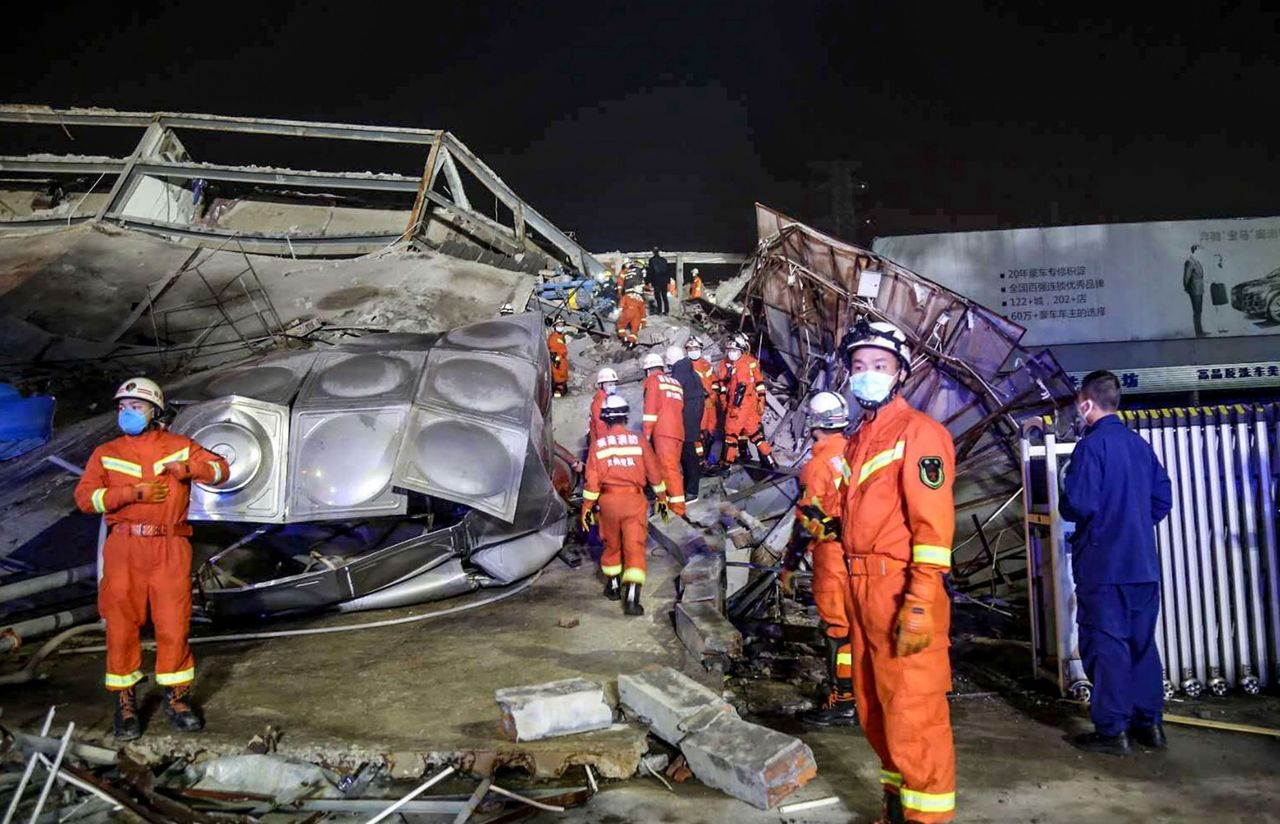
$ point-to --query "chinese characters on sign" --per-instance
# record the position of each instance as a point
(1187, 378)
(1239, 234)
(1044, 294)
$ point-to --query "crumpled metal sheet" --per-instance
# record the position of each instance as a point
(968, 372)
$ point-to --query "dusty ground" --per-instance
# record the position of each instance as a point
(423, 689)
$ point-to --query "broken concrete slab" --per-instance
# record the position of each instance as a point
(666, 699)
(712, 592)
(702, 579)
(749, 762)
(557, 708)
(705, 632)
(681, 538)
(705, 512)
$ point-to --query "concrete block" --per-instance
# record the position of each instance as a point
(705, 512)
(665, 699)
(704, 590)
(749, 762)
(703, 568)
(555, 708)
(706, 632)
(681, 538)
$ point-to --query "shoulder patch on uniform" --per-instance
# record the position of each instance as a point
(931, 474)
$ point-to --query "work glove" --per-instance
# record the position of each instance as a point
(915, 625)
(663, 508)
(180, 470)
(587, 518)
(827, 528)
(152, 492)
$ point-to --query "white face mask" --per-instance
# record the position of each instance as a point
(695, 354)
(872, 387)
(733, 354)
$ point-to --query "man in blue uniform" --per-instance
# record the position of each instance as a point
(1116, 491)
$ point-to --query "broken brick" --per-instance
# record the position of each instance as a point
(665, 700)
(705, 632)
(749, 762)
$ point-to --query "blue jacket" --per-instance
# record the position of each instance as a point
(1116, 491)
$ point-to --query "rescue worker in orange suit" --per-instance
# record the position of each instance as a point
(707, 374)
(141, 482)
(664, 425)
(745, 397)
(631, 317)
(723, 372)
(558, 347)
(823, 481)
(606, 385)
(695, 286)
(897, 526)
(619, 463)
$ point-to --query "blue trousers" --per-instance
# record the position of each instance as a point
(1118, 645)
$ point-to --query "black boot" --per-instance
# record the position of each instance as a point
(613, 587)
(1117, 744)
(128, 727)
(631, 599)
(1151, 737)
(891, 809)
(838, 711)
(177, 705)
(768, 462)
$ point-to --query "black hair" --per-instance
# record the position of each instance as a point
(1103, 388)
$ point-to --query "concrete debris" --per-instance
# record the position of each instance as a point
(702, 579)
(557, 708)
(665, 699)
(282, 779)
(567, 623)
(749, 762)
(706, 633)
(681, 538)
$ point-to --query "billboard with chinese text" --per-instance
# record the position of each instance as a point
(1112, 283)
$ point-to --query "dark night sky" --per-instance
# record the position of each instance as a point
(636, 124)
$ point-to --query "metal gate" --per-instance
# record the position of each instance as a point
(1219, 562)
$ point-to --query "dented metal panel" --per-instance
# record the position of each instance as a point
(253, 436)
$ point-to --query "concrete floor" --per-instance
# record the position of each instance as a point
(415, 693)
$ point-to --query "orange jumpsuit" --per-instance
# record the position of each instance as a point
(897, 526)
(145, 570)
(595, 426)
(744, 398)
(631, 319)
(823, 481)
(559, 350)
(707, 374)
(664, 426)
(695, 288)
(619, 462)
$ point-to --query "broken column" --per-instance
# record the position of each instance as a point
(749, 762)
(667, 701)
(555, 708)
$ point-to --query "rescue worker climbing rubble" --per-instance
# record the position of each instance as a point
(141, 482)
(897, 524)
(744, 393)
(631, 317)
(823, 481)
(558, 348)
(619, 463)
(664, 425)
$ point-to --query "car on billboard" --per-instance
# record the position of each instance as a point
(1259, 298)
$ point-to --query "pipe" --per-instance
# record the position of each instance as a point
(26, 773)
(44, 583)
(28, 672)
(1190, 721)
(53, 772)
(45, 746)
(293, 633)
(11, 637)
(422, 788)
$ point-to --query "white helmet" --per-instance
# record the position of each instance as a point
(828, 410)
(674, 354)
(739, 342)
(143, 389)
(507, 309)
(694, 342)
(879, 335)
(606, 375)
(651, 361)
(695, 271)
(614, 409)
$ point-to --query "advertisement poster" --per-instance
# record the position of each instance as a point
(1112, 283)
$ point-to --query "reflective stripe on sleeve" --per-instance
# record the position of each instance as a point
(122, 682)
(881, 461)
(217, 472)
(928, 802)
(124, 467)
(927, 554)
(660, 488)
(846, 659)
(676, 499)
(181, 455)
(588, 495)
(168, 679)
(99, 499)
(892, 779)
(650, 418)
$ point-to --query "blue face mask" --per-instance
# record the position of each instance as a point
(131, 421)
(872, 387)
